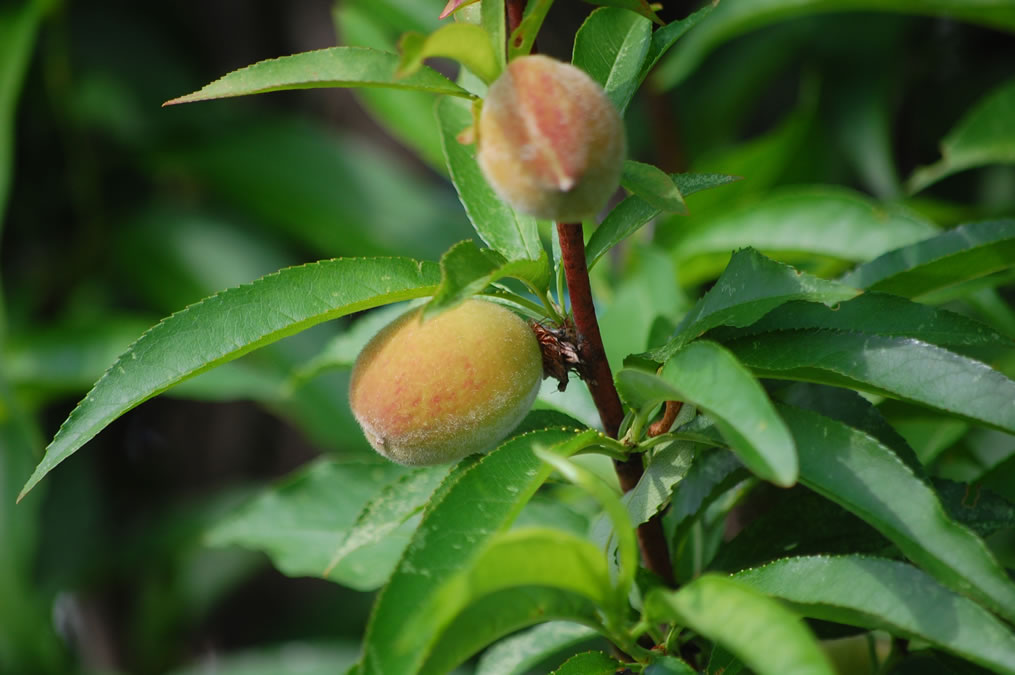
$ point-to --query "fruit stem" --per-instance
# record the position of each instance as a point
(651, 539)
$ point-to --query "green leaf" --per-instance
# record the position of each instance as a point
(406, 115)
(331, 67)
(967, 252)
(457, 525)
(667, 36)
(985, 135)
(589, 663)
(743, 621)
(611, 46)
(750, 287)
(641, 7)
(466, 270)
(627, 558)
(864, 477)
(385, 512)
(634, 213)
(464, 42)
(19, 23)
(876, 314)
(493, 18)
(502, 613)
(300, 522)
(521, 652)
(512, 234)
(229, 324)
(524, 36)
(653, 185)
(712, 473)
(888, 595)
(830, 221)
(736, 17)
(515, 559)
(665, 469)
(709, 377)
(901, 368)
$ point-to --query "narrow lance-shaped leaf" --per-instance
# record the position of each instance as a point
(736, 17)
(406, 115)
(743, 621)
(875, 314)
(967, 252)
(863, 476)
(458, 524)
(985, 135)
(653, 185)
(229, 324)
(300, 522)
(831, 221)
(667, 36)
(634, 213)
(513, 234)
(611, 47)
(615, 511)
(882, 594)
(388, 510)
(516, 559)
(519, 653)
(750, 287)
(708, 376)
(466, 43)
(493, 18)
(901, 368)
(502, 613)
(331, 67)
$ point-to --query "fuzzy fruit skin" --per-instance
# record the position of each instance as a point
(551, 143)
(433, 392)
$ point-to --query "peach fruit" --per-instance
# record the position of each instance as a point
(435, 391)
(551, 144)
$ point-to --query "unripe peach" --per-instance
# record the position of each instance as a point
(551, 143)
(430, 392)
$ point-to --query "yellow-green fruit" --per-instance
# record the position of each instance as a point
(435, 391)
(551, 143)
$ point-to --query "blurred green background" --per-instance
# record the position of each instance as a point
(121, 212)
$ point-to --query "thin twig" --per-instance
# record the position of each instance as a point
(663, 424)
(599, 379)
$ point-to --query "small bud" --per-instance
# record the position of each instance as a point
(433, 392)
(551, 143)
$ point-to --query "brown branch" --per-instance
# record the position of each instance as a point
(599, 379)
(663, 424)
(515, 12)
